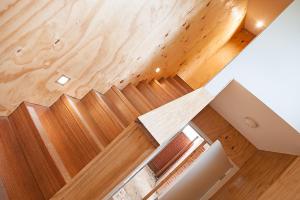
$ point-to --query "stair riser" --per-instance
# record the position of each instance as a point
(47, 148)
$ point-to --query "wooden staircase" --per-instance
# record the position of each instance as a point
(46, 152)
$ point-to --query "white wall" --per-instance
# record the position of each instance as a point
(235, 103)
(202, 175)
(270, 67)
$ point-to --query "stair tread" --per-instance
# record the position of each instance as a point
(177, 85)
(46, 140)
(183, 83)
(170, 88)
(75, 146)
(42, 165)
(161, 91)
(121, 106)
(52, 145)
(137, 99)
(16, 175)
(103, 179)
(104, 117)
(152, 97)
(84, 120)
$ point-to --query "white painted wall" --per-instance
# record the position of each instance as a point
(270, 67)
(235, 103)
(201, 176)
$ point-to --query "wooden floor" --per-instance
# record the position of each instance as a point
(255, 177)
(287, 186)
(259, 170)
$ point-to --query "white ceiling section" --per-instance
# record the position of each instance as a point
(235, 103)
(269, 67)
(264, 10)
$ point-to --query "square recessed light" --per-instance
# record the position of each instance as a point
(62, 80)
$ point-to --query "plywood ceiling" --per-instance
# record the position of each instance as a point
(98, 43)
(197, 75)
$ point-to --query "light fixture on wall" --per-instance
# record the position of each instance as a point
(157, 70)
(62, 80)
(259, 24)
(251, 123)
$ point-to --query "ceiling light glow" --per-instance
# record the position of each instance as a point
(157, 70)
(236, 12)
(259, 24)
(62, 80)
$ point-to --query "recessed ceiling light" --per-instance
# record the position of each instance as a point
(157, 70)
(259, 24)
(62, 80)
